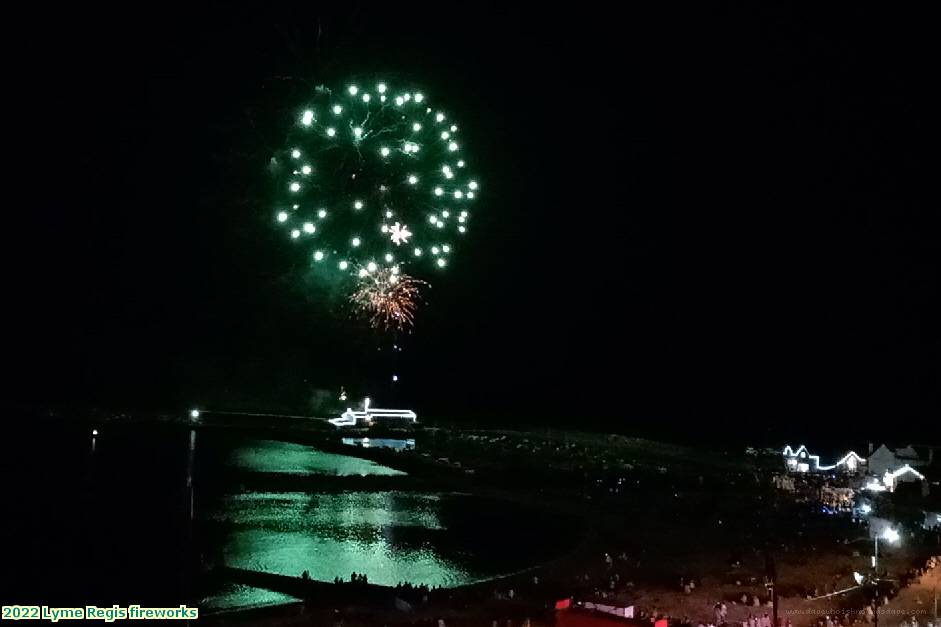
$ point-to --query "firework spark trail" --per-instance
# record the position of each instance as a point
(387, 298)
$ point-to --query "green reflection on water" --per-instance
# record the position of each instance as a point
(235, 596)
(296, 459)
(333, 535)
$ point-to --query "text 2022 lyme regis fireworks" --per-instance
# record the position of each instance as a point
(94, 612)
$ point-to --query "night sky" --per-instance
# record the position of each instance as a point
(710, 215)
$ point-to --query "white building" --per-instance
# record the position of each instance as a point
(372, 415)
(884, 459)
(905, 474)
(800, 460)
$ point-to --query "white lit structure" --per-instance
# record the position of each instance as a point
(371, 415)
(891, 479)
(874, 485)
(905, 473)
(800, 460)
(884, 458)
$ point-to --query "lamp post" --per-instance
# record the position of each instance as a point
(890, 535)
(194, 415)
(191, 460)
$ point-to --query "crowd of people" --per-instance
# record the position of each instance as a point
(611, 467)
(355, 578)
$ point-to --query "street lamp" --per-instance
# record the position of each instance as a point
(890, 535)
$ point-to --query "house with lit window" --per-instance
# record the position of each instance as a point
(891, 479)
(801, 461)
(890, 468)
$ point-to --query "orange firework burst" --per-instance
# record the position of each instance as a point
(387, 298)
